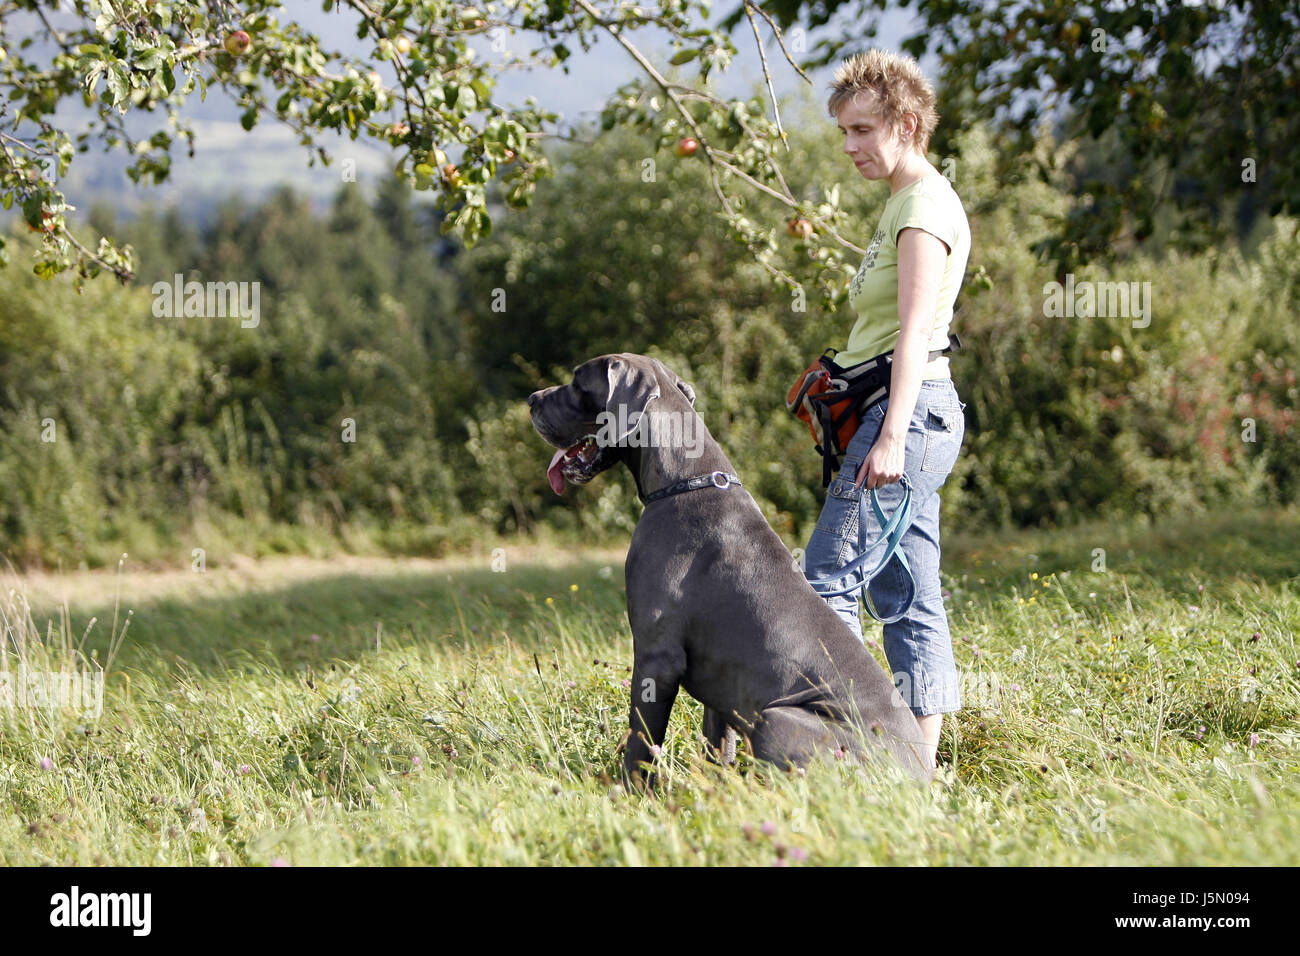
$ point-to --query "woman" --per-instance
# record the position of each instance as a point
(903, 295)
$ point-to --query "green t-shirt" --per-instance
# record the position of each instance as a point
(931, 204)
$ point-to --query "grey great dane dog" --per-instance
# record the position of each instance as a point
(714, 599)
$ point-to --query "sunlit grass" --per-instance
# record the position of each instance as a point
(420, 712)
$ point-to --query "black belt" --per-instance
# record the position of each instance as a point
(714, 479)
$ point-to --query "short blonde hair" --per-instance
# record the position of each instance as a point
(898, 85)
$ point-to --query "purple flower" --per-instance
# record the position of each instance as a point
(416, 761)
(768, 828)
(245, 768)
(655, 750)
(1254, 740)
(314, 639)
(279, 861)
(798, 853)
(47, 763)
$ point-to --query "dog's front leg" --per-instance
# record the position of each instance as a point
(719, 736)
(654, 688)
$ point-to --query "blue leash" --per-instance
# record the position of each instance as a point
(891, 533)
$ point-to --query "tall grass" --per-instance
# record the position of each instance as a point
(441, 712)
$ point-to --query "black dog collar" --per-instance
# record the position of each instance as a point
(714, 479)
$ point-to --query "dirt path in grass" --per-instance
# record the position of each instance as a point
(46, 589)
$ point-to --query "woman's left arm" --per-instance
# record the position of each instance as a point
(921, 260)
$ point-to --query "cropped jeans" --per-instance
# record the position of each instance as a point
(919, 645)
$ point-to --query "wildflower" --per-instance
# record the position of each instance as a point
(1200, 732)
(1033, 576)
(47, 763)
(416, 761)
(798, 853)
(1193, 608)
(1254, 740)
(279, 861)
(1254, 637)
(655, 750)
(1013, 687)
(625, 682)
(315, 638)
(573, 683)
(573, 587)
(245, 769)
(768, 828)
(550, 600)
(1200, 588)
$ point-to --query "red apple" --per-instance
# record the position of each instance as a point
(238, 42)
(799, 227)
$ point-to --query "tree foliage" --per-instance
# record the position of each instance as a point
(1195, 100)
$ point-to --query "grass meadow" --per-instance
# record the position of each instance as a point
(358, 711)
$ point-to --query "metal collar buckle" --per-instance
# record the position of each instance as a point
(720, 479)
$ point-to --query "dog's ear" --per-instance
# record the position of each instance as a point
(683, 386)
(631, 385)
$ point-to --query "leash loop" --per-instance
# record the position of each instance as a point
(891, 532)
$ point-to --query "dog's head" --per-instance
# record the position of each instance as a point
(590, 418)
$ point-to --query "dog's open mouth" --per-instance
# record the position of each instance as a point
(574, 463)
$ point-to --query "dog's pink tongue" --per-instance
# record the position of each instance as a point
(553, 472)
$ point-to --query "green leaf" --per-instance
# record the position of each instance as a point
(32, 209)
(148, 60)
(249, 118)
(684, 56)
(118, 83)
